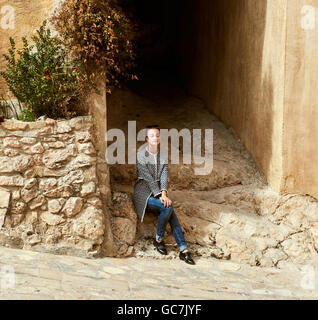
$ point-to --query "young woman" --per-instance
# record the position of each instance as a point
(151, 192)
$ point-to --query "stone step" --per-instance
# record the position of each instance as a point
(183, 176)
(232, 163)
(233, 222)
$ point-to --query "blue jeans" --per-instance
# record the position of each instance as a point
(166, 214)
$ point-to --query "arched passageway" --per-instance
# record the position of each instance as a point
(200, 63)
(164, 65)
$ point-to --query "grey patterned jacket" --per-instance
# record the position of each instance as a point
(152, 178)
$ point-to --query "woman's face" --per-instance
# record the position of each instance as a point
(153, 136)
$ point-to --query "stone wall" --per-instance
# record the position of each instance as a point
(49, 190)
(17, 19)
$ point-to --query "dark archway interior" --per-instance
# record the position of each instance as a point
(211, 50)
(157, 38)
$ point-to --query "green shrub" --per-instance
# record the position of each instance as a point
(42, 78)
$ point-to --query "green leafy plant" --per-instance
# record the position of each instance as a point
(43, 78)
(100, 36)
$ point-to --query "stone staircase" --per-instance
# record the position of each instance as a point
(229, 214)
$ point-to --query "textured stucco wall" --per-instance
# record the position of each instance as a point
(254, 66)
(300, 151)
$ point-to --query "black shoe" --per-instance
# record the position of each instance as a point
(186, 257)
(160, 246)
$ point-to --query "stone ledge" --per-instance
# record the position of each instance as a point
(43, 168)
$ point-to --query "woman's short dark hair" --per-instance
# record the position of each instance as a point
(152, 126)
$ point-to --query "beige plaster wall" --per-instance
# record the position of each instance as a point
(300, 151)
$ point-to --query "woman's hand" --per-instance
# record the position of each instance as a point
(165, 200)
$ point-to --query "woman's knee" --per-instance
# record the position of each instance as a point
(168, 210)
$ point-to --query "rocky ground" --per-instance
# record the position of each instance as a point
(33, 275)
(229, 214)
